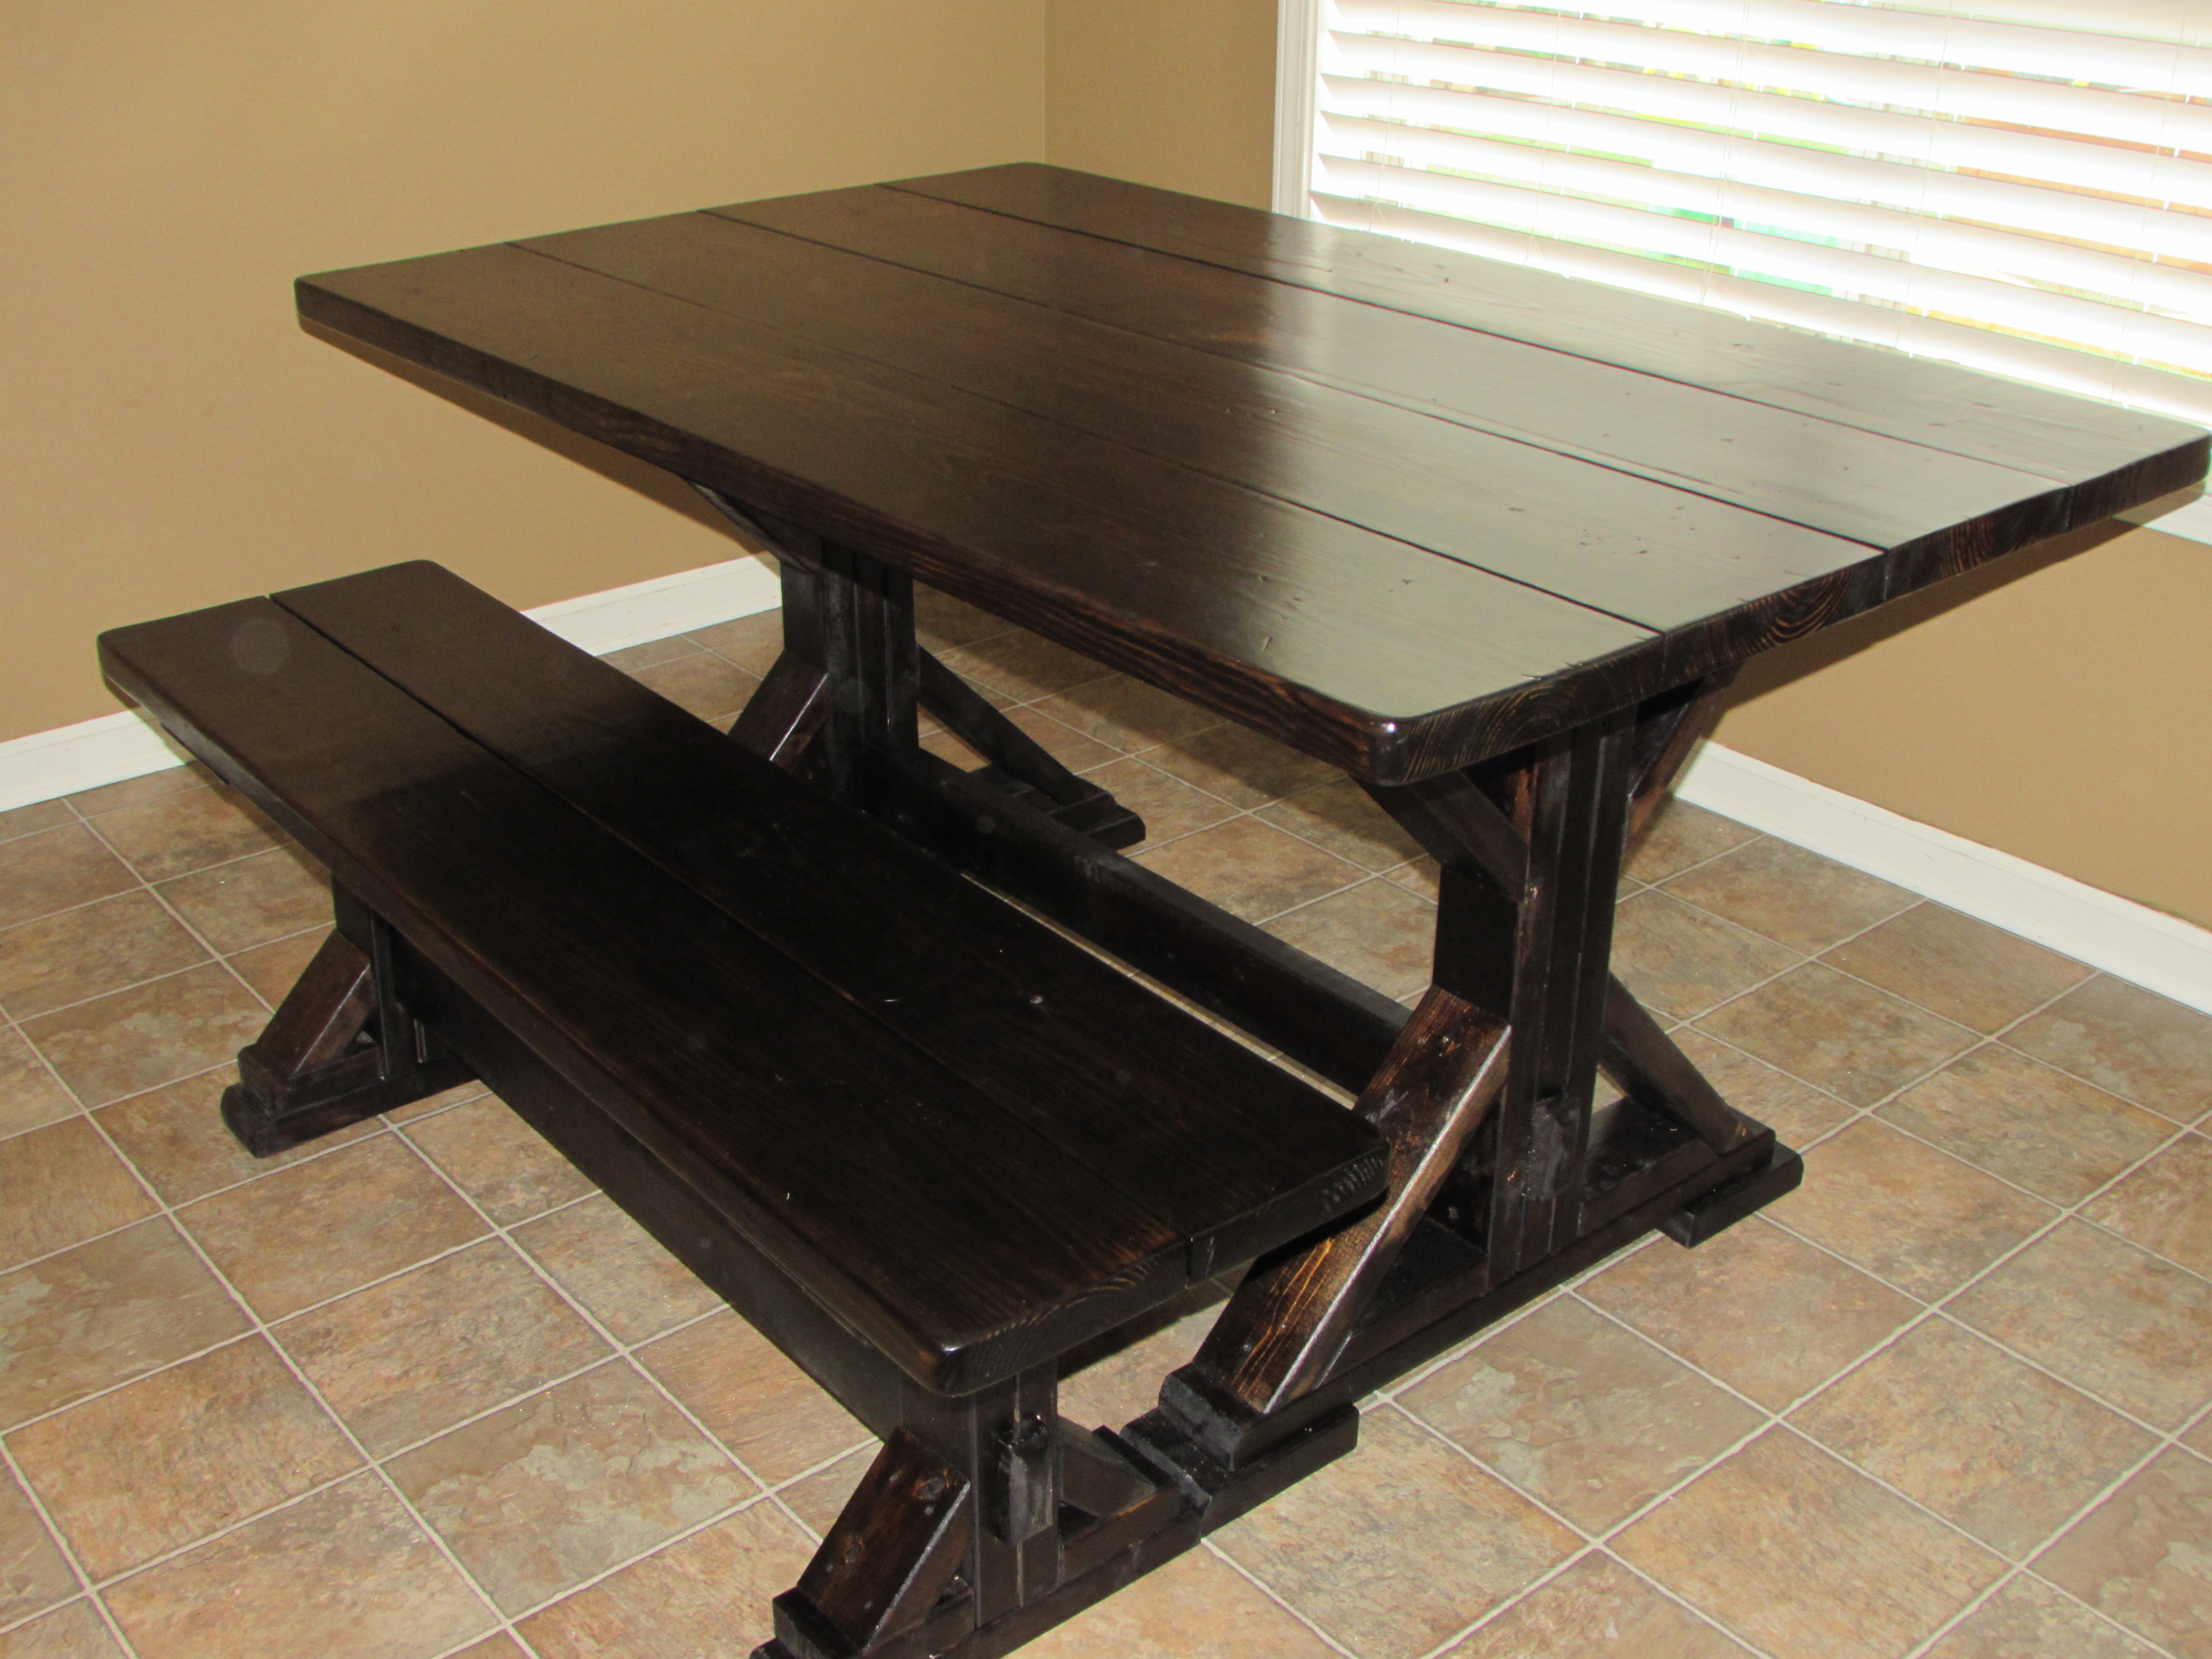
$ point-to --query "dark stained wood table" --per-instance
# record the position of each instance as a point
(1491, 541)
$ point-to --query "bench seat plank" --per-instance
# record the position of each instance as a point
(950, 1234)
(1234, 1152)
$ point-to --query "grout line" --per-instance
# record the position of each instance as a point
(1274, 1596)
(285, 1358)
(68, 1551)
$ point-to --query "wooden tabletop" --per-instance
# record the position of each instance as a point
(1402, 509)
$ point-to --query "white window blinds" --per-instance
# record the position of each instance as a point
(2020, 186)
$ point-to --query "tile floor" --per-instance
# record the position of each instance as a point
(418, 1391)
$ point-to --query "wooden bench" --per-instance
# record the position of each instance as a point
(925, 1143)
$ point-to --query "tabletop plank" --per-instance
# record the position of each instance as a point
(1366, 652)
(2046, 433)
(1651, 554)
(838, 1149)
(1818, 473)
(1234, 1153)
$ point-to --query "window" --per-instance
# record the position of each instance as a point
(2023, 186)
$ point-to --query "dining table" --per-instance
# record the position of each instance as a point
(1490, 542)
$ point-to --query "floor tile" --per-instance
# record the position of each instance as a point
(176, 1136)
(1681, 835)
(1342, 818)
(32, 1572)
(76, 1632)
(1847, 1037)
(752, 642)
(1993, 1446)
(30, 1094)
(2130, 1040)
(1580, 1414)
(1077, 752)
(1719, 1306)
(189, 830)
(1169, 806)
(2105, 1315)
(404, 1359)
(342, 1575)
(152, 1034)
(944, 623)
(251, 901)
(20, 820)
(706, 1597)
(755, 1401)
(272, 970)
(2037, 1127)
(1240, 767)
(1127, 714)
(499, 1161)
(1250, 869)
(498, 1646)
(1598, 1609)
(819, 1497)
(1196, 1606)
(1020, 667)
(55, 870)
(2143, 1556)
(1680, 960)
(1806, 1556)
(1914, 1216)
(331, 1226)
(951, 751)
(1798, 1113)
(1793, 896)
(1963, 969)
(431, 1105)
(1418, 875)
(138, 790)
(702, 685)
(179, 1454)
(1126, 1385)
(2029, 1619)
(90, 950)
(562, 1486)
(64, 1185)
(103, 1313)
(1394, 1547)
(2166, 1205)
(1377, 932)
(632, 659)
(620, 1273)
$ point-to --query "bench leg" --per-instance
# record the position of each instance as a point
(340, 1048)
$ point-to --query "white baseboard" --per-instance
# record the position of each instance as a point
(70, 758)
(2129, 941)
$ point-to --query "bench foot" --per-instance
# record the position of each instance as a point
(339, 1049)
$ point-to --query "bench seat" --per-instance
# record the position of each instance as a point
(970, 1142)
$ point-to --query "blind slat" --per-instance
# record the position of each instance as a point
(1923, 240)
(1394, 119)
(2068, 55)
(2020, 186)
(2105, 328)
(1959, 93)
(1921, 139)
(2032, 361)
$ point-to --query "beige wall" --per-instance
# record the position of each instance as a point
(168, 438)
(1176, 93)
